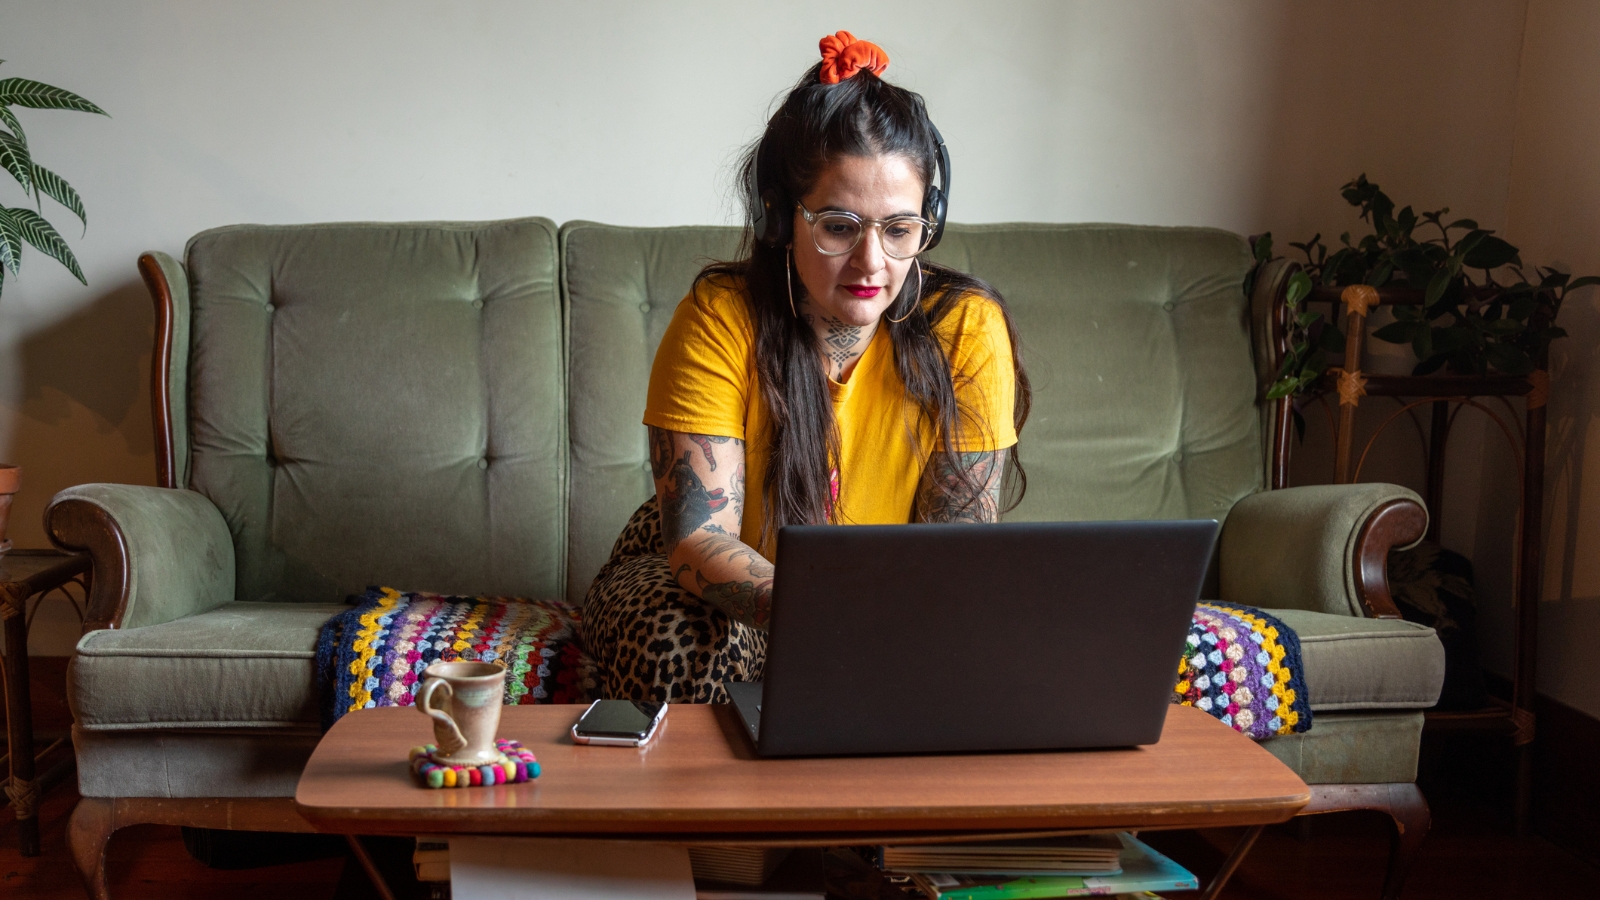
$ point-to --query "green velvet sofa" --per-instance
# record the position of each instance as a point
(456, 407)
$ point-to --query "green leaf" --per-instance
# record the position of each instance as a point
(1281, 388)
(52, 186)
(1397, 332)
(1490, 253)
(1461, 223)
(10, 120)
(41, 234)
(1422, 343)
(1331, 339)
(10, 245)
(1585, 281)
(1299, 288)
(1307, 318)
(1381, 274)
(14, 157)
(1436, 288)
(1263, 247)
(32, 94)
(1510, 360)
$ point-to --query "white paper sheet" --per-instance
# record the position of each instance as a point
(493, 868)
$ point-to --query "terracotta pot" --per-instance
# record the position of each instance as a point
(10, 482)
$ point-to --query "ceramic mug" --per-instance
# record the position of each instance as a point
(465, 726)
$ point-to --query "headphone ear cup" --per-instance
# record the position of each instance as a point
(771, 224)
(934, 206)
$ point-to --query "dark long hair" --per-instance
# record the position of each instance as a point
(815, 125)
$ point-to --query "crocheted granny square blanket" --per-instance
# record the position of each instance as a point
(1240, 664)
(1243, 666)
(374, 653)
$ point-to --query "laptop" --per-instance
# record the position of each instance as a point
(896, 639)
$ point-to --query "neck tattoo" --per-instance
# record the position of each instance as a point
(842, 343)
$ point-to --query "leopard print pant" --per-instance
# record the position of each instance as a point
(651, 639)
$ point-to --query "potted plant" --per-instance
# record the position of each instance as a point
(1495, 321)
(19, 225)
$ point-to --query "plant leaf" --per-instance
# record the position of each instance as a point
(41, 234)
(1436, 288)
(10, 120)
(1585, 281)
(1299, 288)
(52, 186)
(1490, 253)
(10, 245)
(1397, 332)
(1510, 360)
(14, 157)
(34, 95)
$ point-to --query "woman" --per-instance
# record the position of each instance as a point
(828, 376)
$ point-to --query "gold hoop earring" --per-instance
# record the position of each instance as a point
(916, 303)
(788, 280)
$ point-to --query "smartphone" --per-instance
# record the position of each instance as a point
(619, 723)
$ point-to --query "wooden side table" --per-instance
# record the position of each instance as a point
(25, 574)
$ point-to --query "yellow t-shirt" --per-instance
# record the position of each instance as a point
(704, 382)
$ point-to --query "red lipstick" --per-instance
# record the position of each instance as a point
(863, 290)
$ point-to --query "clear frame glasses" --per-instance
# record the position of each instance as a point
(836, 232)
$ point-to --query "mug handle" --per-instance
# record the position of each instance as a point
(441, 719)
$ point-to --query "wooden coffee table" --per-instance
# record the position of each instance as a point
(700, 783)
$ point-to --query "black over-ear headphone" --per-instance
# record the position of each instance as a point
(775, 218)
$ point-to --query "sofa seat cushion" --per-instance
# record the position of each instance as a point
(1366, 664)
(241, 665)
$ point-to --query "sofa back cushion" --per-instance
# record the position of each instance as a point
(1137, 342)
(381, 403)
(1136, 339)
(622, 286)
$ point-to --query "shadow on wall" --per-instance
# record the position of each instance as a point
(84, 385)
(1574, 408)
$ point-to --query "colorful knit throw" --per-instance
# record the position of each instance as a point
(1243, 666)
(374, 653)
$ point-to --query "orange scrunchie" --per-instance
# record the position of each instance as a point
(844, 56)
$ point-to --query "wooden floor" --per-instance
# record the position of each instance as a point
(1470, 853)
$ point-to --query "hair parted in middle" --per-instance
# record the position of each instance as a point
(816, 124)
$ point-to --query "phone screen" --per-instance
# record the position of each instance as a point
(619, 718)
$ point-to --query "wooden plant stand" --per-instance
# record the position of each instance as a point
(1444, 396)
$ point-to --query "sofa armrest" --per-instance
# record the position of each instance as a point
(1323, 548)
(157, 554)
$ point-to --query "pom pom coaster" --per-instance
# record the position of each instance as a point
(515, 765)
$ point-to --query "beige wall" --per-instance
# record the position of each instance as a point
(1554, 216)
(1244, 115)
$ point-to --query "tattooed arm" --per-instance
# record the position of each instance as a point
(945, 496)
(700, 482)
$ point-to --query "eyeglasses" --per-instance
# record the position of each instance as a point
(837, 232)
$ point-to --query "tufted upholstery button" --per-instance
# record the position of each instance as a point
(271, 308)
(1168, 306)
(644, 307)
(645, 465)
(483, 464)
(477, 304)
(1177, 457)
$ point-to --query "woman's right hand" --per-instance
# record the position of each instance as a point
(700, 489)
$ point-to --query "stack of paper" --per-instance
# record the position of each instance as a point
(1143, 869)
(736, 865)
(1090, 854)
